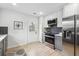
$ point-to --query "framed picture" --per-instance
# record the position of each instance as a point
(18, 25)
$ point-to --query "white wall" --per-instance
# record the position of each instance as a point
(18, 37)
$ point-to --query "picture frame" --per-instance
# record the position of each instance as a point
(18, 25)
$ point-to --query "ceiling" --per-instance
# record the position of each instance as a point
(34, 8)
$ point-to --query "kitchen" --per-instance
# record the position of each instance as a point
(53, 27)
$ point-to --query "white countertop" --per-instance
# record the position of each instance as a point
(2, 37)
(60, 34)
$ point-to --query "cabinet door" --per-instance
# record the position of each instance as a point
(0, 48)
(4, 45)
(69, 10)
(32, 31)
(58, 42)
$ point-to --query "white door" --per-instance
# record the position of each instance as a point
(33, 30)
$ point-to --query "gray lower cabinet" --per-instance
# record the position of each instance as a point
(3, 46)
(58, 42)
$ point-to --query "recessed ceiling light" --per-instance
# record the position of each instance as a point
(35, 13)
(41, 13)
(14, 4)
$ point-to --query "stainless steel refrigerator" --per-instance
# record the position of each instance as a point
(68, 35)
